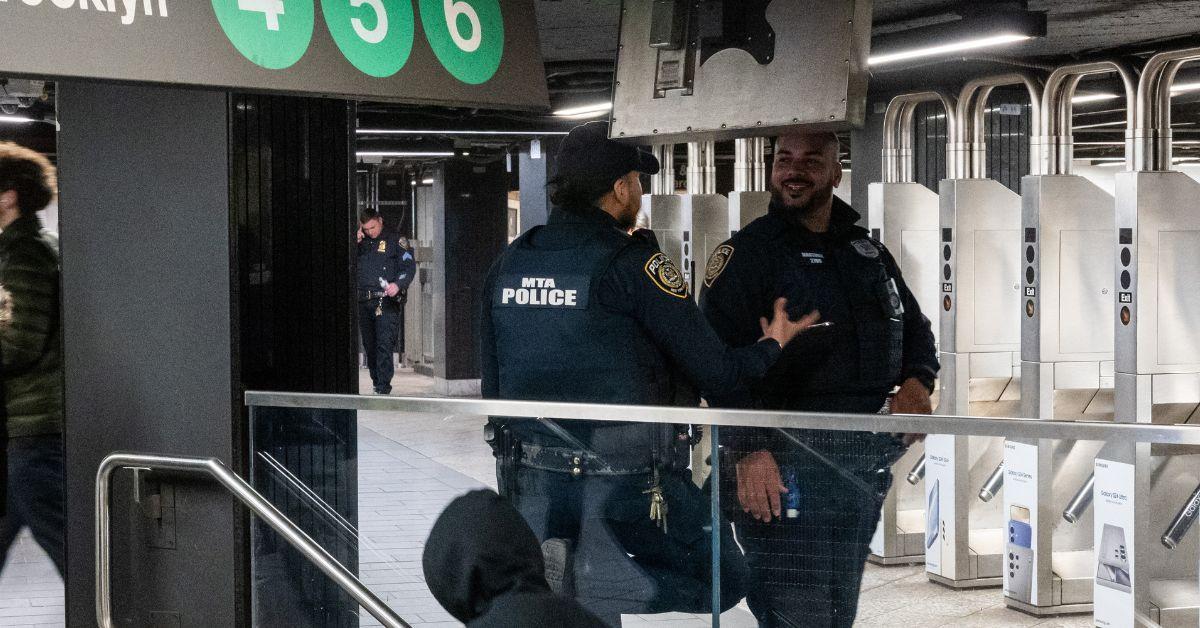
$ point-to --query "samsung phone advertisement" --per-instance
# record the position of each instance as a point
(1114, 503)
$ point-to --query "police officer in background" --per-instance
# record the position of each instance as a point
(385, 269)
(810, 500)
(582, 310)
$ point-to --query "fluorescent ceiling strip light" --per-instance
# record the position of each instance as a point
(1100, 124)
(1182, 88)
(1082, 98)
(427, 181)
(15, 120)
(393, 153)
(1117, 164)
(447, 132)
(1175, 143)
(970, 44)
(594, 109)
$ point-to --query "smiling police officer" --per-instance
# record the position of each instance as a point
(582, 310)
(807, 565)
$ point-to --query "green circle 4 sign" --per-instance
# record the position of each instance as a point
(271, 33)
(374, 35)
(466, 35)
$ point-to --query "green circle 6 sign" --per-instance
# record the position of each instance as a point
(374, 35)
(466, 35)
(271, 33)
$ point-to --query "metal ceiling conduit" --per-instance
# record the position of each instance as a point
(898, 136)
(969, 154)
(1152, 135)
(1058, 143)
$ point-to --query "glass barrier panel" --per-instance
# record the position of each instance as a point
(644, 522)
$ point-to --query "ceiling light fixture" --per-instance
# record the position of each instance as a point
(15, 120)
(944, 49)
(450, 132)
(1082, 98)
(395, 153)
(586, 111)
(1183, 88)
(427, 181)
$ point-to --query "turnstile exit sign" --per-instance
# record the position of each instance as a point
(449, 52)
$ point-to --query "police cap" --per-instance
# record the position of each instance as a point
(587, 153)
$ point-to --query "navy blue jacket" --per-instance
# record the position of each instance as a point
(853, 281)
(383, 257)
(668, 338)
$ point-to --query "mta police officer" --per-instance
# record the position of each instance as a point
(810, 500)
(385, 269)
(582, 310)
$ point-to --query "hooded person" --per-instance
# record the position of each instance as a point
(484, 566)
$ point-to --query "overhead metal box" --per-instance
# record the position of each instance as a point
(746, 68)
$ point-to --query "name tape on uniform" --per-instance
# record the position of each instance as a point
(552, 292)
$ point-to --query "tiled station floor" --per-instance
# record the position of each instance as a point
(411, 466)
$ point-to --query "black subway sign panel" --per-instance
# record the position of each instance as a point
(477, 52)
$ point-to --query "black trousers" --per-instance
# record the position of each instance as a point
(379, 339)
(807, 570)
(36, 496)
(623, 562)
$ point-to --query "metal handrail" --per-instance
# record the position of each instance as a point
(245, 494)
(1111, 431)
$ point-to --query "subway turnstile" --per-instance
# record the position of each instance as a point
(1139, 487)
(1066, 363)
(979, 254)
(904, 215)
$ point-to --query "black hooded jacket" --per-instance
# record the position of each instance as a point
(484, 566)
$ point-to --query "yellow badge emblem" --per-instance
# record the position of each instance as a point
(666, 276)
(383, 246)
(717, 263)
(6, 308)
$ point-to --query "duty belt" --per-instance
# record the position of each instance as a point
(579, 463)
(367, 295)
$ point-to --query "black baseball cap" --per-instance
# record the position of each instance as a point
(587, 152)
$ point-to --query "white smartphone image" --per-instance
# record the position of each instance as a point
(933, 514)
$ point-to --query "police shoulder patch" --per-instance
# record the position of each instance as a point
(865, 248)
(717, 263)
(663, 272)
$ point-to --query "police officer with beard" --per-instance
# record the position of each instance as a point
(810, 499)
(581, 310)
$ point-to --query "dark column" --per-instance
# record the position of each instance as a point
(467, 210)
(291, 207)
(147, 324)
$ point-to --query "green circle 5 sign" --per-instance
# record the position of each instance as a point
(374, 35)
(271, 33)
(466, 35)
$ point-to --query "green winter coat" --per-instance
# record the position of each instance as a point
(30, 344)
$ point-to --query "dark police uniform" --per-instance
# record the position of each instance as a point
(807, 569)
(379, 314)
(579, 310)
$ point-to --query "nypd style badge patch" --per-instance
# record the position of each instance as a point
(865, 248)
(717, 263)
(666, 276)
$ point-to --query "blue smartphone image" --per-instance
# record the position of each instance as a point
(1020, 534)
